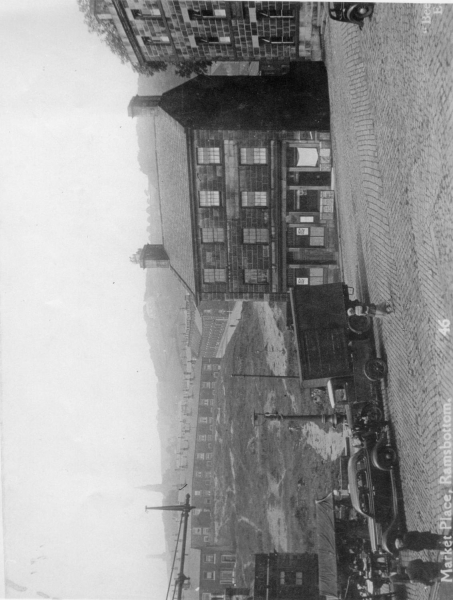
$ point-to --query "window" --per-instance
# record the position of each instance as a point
(315, 235)
(197, 492)
(206, 538)
(256, 276)
(254, 198)
(209, 456)
(212, 39)
(212, 234)
(226, 576)
(209, 198)
(206, 530)
(277, 39)
(198, 474)
(253, 156)
(302, 201)
(196, 530)
(200, 455)
(214, 275)
(209, 558)
(255, 236)
(202, 419)
(208, 156)
(298, 578)
(155, 39)
(217, 13)
(209, 575)
(206, 385)
(313, 276)
(282, 577)
(201, 438)
(228, 558)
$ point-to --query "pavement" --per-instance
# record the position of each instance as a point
(392, 135)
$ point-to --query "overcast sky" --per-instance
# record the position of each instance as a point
(78, 388)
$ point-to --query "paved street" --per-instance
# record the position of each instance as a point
(392, 121)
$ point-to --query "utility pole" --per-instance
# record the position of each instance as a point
(184, 508)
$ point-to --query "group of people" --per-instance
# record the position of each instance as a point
(417, 570)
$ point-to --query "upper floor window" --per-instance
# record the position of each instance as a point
(282, 577)
(216, 13)
(253, 156)
(196, 530)
(209, 575)
(212, 234)
(210, 558)
(208, 156)
(155, 39)
(254, 198)
(256, 276)
(212, 39)
(255, 236)
(277, 39)
(311, 236)
(209, 198)
(298, 578)
(214, 275)
(228, 558)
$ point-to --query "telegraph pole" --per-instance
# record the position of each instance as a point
(184, 508)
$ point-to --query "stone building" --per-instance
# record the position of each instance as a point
(285, 576)
(269, 35)
(245, 183)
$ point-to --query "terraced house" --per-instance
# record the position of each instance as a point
(269, 34)
(245, 183)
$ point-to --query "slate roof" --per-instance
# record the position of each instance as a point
(173, 173)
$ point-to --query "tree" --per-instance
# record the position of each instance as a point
(108, 34)
(186, 68)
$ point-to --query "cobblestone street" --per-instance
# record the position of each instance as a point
(392, 123)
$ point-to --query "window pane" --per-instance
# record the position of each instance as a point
(209, 198)
(255, 236)
(254, 198)
(253, 156)
(256, 276)
(208, 156)
(212, 234)
(214, 275)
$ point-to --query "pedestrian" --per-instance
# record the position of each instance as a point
(418, 571)
(419, 540)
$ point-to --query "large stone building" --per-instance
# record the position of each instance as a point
(245, 183)
(267, 34)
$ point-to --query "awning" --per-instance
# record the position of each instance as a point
(327, 553)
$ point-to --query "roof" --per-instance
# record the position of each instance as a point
(298, 101)
(173, 176)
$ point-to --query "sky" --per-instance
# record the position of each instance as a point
(78, 392)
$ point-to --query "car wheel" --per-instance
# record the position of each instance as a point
(358, 12)
(359, 323)
(375, 369)
(387, 457)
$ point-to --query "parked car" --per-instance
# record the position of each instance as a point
(350, 12)
(373, 490)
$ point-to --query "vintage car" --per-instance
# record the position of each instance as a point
(373, 490)
(350, 12)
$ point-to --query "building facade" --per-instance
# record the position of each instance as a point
(285, 576)
(269, 33)
(249, 167)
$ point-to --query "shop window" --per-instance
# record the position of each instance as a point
(277, 39)
(208, 156)
(212, 39)
(253, 156)
(254, 199)
(155, 39)
(216, 13)
(212, 234)
(255, 236)
(302, 201)
(214, 275)
(209, 198)
(256, 276)
(275, 13)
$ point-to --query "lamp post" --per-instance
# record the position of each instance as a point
(334, 418)
(184, 508)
